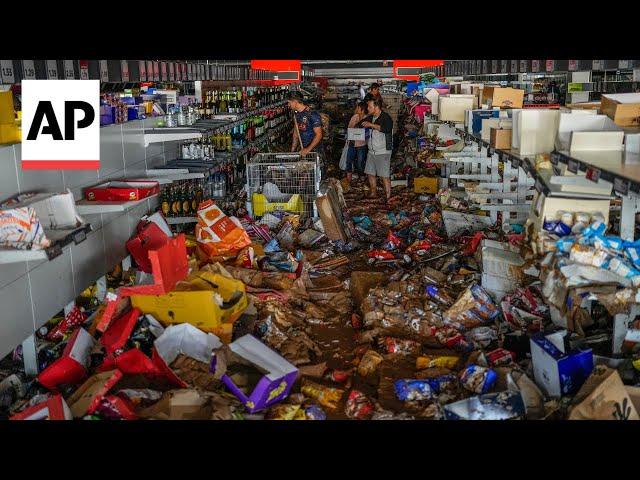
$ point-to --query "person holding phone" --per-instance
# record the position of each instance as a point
(380, 147)
(357, 149)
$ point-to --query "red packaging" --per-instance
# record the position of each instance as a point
(116, 408)
(404, 347)
(131, 362)
(122, 191)
(472, 246)
(72, 365)
(356, 321)
(149, 236)
(88, 397)
(393, 240)
(74, 318)
(120, 330)
(339, 376)
(433, 237)
(420, 247)
(381, 255)
(358, 406)
(55, 408)
(500, 356)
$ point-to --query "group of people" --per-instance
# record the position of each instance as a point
(371, 156)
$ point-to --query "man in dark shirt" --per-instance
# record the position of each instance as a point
(380, 148)
(309, 126)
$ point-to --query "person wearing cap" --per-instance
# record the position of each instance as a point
(380, 147)
(308, 126)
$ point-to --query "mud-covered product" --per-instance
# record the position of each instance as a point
(431, 361)
(369, 363)
(339, 376)
(358, 406)
(500, 357)
(438, 295)
(401, 346)
(314, 412)
(442, 383)
(472, 309)
(505, 405)
(413, 390)
(326, 396)
(478, 379)
(452, 338)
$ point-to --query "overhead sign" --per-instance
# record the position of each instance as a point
(61, 125)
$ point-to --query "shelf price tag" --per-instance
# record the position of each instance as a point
(572, 166)
(504, 68)
(523, 66)
(620, 186)
(593, 174)
(535, 66)
(149, 71)
(494, 66)
(84, 69)
(68, 70)
(172, 72)
(597, 65)
(28, 70)
(142, 67)
(156, 71)
(550, 65)
(514, 66)
(124, 70)
(623, 64)
(52, 70)
(573, 65)
(104, 71)
(555, 157)
(6, 71)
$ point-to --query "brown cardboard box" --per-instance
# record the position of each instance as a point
(331, 218)
(622, 108)
(87, 397)
(362, 282)
(507, 98)
(487, 94)
(500, 138)
(603, 396)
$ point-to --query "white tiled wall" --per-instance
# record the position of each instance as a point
(32, 292)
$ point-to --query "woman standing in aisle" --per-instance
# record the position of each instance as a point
(357, 150)
(380, 147)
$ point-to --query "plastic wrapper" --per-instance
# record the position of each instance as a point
(583, 217)
(472, 309)
(358, 406)
(567, 218)
(413, 390)
(369, 363)
(623, 268)
(73, 319)
(217, 234)
(478, 379)
(557, 227)
(286, 411)
(452, 338)
(598, 227)
(565, 244)
(442, 383)
(378, 254)
(589, 256)
(314, 412)
(500, 357)
(21, 228)
(492, 406)
(483, 336)
(326, 396)
(401, 346)
(436, 361)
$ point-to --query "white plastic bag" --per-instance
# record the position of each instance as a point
(343, 157)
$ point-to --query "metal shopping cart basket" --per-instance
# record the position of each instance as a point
(283, 181)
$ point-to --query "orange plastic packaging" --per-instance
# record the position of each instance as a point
(217, 234)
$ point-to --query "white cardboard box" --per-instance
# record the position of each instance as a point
(534, 131)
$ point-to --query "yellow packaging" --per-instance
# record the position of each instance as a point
(196, 301)
(261, 205)
(325, 396)
(425, 185)
(441, 362)
(7, 115)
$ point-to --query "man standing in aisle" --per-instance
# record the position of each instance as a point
(380, 147)
(308, 126)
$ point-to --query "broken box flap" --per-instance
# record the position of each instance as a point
(253, 350)
(87, 398)
(188, 340)
(169, 266)
(54, 408)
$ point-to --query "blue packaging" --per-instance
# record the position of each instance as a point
(478, 115)
(564, 244)
(272, 246)
(505, 405)
(478, 379)
(443, 382)
(633, 254)
(413, 390)
(612, 243)
(314, 412)
(562, 229)
(486, 309)
(596, 228)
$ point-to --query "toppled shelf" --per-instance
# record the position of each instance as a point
(86, 207)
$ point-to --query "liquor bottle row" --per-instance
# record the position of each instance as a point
(238, 137)
(181, 199)
(239, 100)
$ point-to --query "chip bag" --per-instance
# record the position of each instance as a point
(217, 234)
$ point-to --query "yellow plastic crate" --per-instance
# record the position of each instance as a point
(261, 205)
(193, 301)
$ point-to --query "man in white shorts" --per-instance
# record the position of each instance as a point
(380, 147)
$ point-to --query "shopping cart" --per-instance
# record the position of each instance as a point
(283, 181)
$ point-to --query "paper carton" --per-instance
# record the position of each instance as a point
(72, 365)
(86, 399)
(507, 98)
(622, 108)
(272, 377)
(425, 185)
(556, 372)
(500, 138)
(54, 408)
